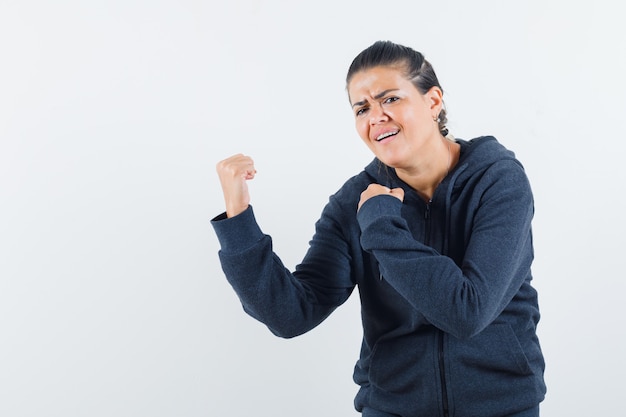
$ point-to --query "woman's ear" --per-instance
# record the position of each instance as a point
(435, 98)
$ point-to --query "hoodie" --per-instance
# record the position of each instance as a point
(448, 311)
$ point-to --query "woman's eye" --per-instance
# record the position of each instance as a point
(360, 112)
(390, 100)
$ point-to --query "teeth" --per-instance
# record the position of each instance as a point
(386, 135)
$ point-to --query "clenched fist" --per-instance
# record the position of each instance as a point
(233, 173)
(376, 189)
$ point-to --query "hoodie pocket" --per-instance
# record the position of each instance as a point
(398, 365)
(491, 370)
(517, 352)
(495, 349)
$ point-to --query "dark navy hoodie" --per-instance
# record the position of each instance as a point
(448, 311)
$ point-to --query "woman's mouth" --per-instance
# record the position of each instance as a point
(385, 135)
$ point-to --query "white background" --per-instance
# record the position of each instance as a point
(114, 113)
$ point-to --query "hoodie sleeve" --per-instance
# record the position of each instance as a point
(289, 304)
(459, 300)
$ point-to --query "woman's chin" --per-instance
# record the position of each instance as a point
(389, 160)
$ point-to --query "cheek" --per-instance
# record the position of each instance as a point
(362, 129)
(410, 121)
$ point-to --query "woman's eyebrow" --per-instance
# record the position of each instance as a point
(376, 97)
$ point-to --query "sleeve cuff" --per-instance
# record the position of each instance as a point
(378, 207)
(238, 233)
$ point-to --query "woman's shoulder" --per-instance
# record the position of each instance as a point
(353, 186)
(484, 151)
(359, 181)
(346, 198)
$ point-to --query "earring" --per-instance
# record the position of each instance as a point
(436, 119)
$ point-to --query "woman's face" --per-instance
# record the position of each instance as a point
(392, 117)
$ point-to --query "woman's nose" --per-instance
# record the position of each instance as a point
(377, 114)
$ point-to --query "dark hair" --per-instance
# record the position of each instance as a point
(417, 69)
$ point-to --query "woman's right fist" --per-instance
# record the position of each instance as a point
(233, 173)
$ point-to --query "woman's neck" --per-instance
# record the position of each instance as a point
(426, 177)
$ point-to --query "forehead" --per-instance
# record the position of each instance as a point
(369, 82)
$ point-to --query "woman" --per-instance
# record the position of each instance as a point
(435, 232)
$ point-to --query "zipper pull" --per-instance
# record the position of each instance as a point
(427, 212)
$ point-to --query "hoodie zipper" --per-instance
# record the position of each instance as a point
(427, 221)
(441, 359)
